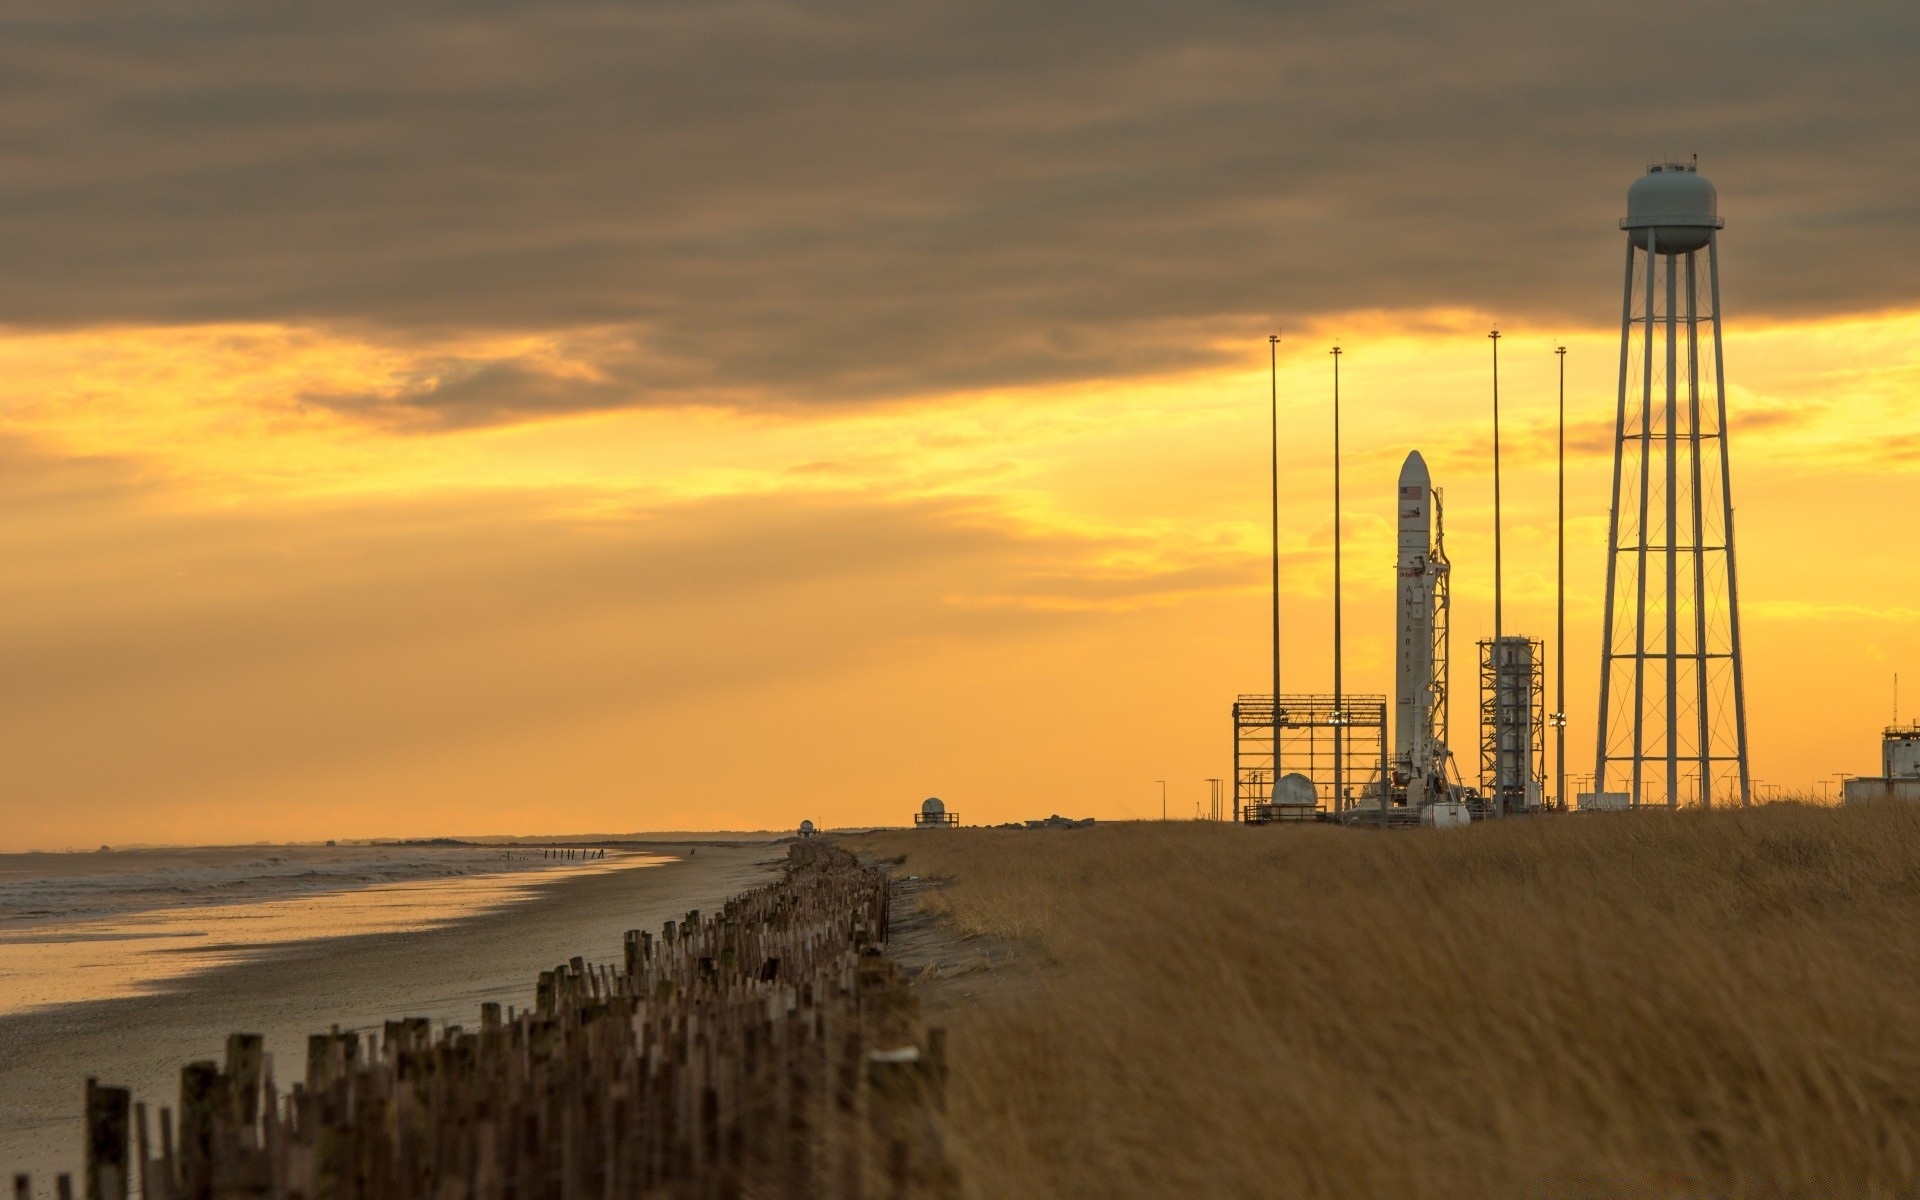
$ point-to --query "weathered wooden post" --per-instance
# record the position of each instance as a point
(106, 1142)
(246, 1053)
(140, 1152)
(199, 1102)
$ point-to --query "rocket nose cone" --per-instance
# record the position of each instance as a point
(1414, 471)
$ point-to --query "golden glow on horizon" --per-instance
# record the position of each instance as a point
(1132, 511)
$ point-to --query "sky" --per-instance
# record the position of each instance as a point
(534, 417)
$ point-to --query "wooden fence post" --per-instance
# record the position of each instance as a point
(106, 1176)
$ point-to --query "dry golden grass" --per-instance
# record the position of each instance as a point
(1642, 1004)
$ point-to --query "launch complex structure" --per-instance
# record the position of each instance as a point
(1314, 733)
(1672, 690)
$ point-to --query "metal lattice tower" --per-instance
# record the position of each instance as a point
(1513, 724)
(1672, 691)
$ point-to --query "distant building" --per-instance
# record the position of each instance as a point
(933, 814)
(806, 829)
(1899, 777)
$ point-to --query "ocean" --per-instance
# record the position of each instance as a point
(126, 966)
(78, 927)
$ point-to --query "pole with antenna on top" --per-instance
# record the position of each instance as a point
(1560, 604)
(1499, 744)
(1339, 702)
(1273, 440)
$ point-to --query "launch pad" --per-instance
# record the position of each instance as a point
(1327, 757)
(1341, 748)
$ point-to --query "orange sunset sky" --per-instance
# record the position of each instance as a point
(578, 417)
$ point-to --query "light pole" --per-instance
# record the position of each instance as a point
(1560, 604)
(1499, 683)
(1163, 798)
(1273, 446)
(1339, 705)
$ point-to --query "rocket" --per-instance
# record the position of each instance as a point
(1414, 738)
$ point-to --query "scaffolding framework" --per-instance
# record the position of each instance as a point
(1307, 727)
(1442, 621)
(1513, 719)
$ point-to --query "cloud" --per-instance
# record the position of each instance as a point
(160, 659)
(764, 203)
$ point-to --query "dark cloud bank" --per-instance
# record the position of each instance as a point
(846, 201)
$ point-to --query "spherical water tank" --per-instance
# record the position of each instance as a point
(932, 806)
(1677, 203)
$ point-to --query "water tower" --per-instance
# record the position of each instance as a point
(1672, 717)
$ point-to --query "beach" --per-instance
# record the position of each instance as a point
(285, 990)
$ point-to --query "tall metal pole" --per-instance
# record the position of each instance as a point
(1236, 763)
(1673, 537)
(1273, 440)
(1703, 723)
(1604, 716)
(1339, 704)
(1726, 498)
(1499, 684)
(1560, 602)
(1646, 477)
(1163, 798)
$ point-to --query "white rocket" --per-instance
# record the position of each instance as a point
(1419, 738)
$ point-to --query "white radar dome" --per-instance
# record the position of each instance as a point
(806, 827)
(932, 805)
(1677, 204)
(1295, 789)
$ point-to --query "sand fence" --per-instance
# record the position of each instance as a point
(769, 1050)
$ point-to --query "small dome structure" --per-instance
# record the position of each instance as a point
(1676, 204)
(933, 814)
(1295, 789)
(806, 829)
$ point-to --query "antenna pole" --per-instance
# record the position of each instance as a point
(1273, 440)
(1339, 704)
(1560, 604)
(1499, 699)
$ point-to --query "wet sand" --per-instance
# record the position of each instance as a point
(444, 973)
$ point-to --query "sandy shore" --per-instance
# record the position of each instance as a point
(357, 982)
(42, 889)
